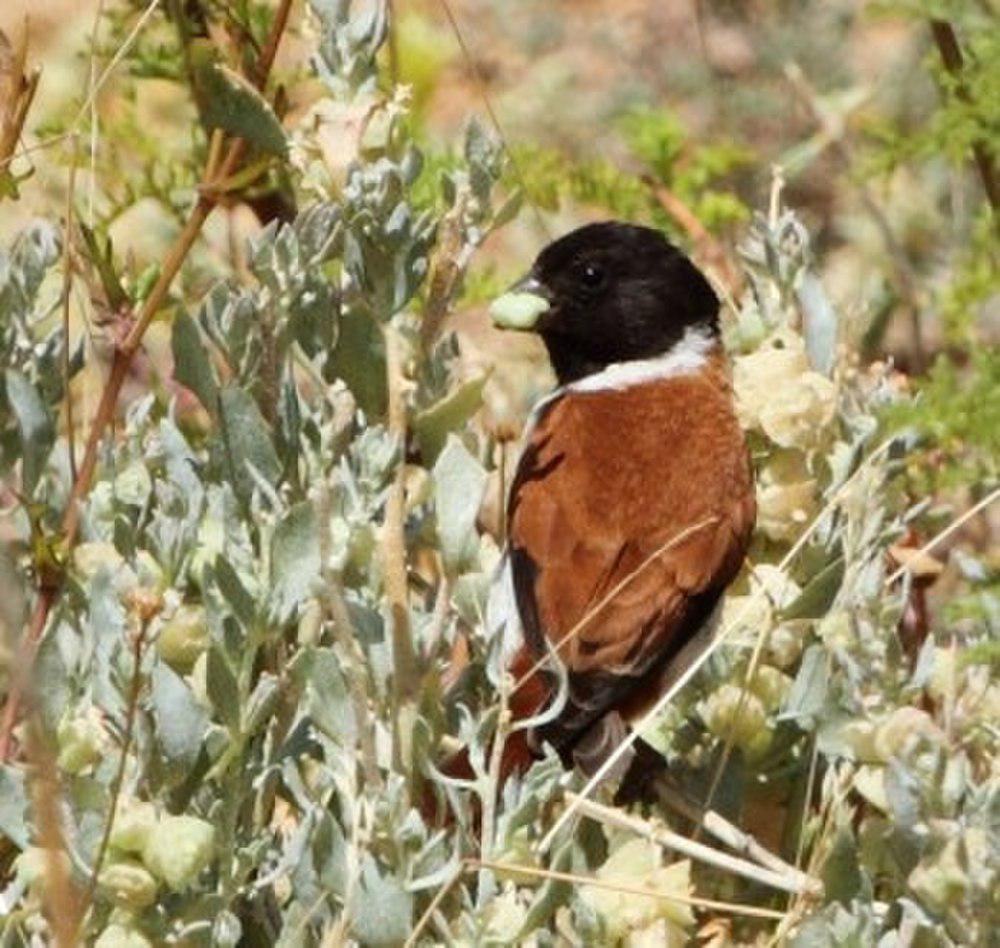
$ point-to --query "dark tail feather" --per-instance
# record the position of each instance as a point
(527, 699)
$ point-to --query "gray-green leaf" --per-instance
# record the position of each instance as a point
(247, 441)
(37, 430)
(192, 366)
(231, 103)
(459, 482)
(294, 559)
(181, 722)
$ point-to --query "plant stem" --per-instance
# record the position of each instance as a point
(63, 907)
(787, 881)
(951, 56)
(404, 656)
(724, 831)
(629, 889)
(131, 710)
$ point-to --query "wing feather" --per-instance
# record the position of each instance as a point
(606, 569)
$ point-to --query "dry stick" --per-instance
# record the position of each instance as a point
(67, 290)
(696, 665)
(493, 778)
(439, 897)
(61, 897)
(404, 657)
(734, 908)
(708, 247)
(109, 398)
(944, 534)
(119, 55)
(905, 277)
(732, 836)
(95, 121)
(25, 151)
(951, 55)
(21, 93)
(787, 880)
(727, 748)
(332, 596)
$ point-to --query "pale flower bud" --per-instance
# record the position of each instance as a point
(81, 739)
(178, 848)
(183, 637)
(133, 824)
(128, 883)
(120, 936)
(732, 713)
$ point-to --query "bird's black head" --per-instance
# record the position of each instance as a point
(615, 292)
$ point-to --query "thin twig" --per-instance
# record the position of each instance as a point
(446, 273)
(63, 906)
(480, 81)
(493, 783)
(17, 98)
(404, 656)
(788, 880)
(710, 250)
(344, 632)
(724, 831)
(131, 710)
(714, 905)
(595, 610)
(957, 523)
(66, 292)
(439, 897)
(951, 55)
(119, 55)
(95, 120)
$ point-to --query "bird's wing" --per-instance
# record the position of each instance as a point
(631, 511)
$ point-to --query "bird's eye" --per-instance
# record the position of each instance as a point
(592, 275)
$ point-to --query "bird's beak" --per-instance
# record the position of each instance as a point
(522, 305)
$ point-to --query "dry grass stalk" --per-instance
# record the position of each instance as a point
(789, 880)
(734, 908)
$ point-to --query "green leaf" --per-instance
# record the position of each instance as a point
(385, 909)
(228, 101)
(815, 600)
(223, 692)
(433, 425)
(359, 359)
(841, 872)
(317, 673)
(181, 722)
(459, 482)
(192, 366)
(13, 806)
(37, 430)
(295, 561)
(820, 324)
(234, 592)
(52, 677)
(247, 441)
(102, 260)
(808, 692)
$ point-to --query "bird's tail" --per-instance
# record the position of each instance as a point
(531, 692)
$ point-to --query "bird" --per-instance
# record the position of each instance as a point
(632, 503)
